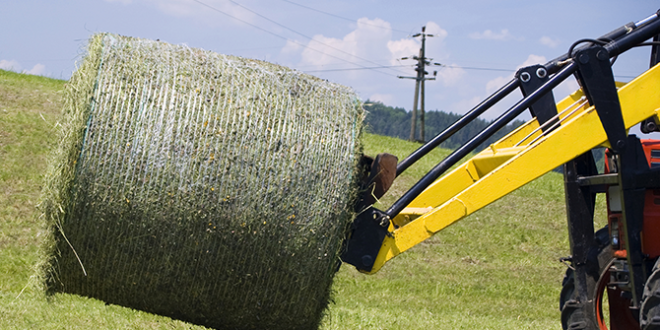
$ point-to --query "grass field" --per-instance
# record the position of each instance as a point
(497, 269)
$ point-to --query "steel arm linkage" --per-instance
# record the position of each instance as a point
(555, 136)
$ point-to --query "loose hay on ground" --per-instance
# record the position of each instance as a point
(205, 187)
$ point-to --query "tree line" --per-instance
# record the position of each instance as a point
(395, 122)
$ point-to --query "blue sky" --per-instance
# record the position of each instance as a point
(480, 42)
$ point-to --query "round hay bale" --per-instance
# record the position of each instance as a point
(208, 188)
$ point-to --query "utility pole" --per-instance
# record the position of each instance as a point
(422, 62)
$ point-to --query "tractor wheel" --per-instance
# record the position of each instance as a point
(649, 315)
(584, 315)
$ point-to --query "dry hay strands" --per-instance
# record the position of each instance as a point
(209, 188)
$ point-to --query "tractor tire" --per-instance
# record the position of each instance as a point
(649, 315)
(582, 315)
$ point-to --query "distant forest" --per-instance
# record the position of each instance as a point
(395, 122)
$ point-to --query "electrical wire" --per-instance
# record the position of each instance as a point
(282, 37)
(412, 65)
(353, 69)
(360, 67)
(257, 48)
(334, 64)
(581, 41)
(650, 43)
(340, 17)
(577, 104)
(475, 68)
(601, 42)
(301, 34)
(47, 60)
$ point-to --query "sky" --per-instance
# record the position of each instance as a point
(358, 43)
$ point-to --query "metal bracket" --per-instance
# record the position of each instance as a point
(580, 204)
(597, 81)
(544, 109)
(649, 125)
(598, 183)
(655, 52)
(366, 236)
(632, 166)
(382, 173)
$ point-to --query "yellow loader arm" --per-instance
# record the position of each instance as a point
(597, 115)
(515, 160)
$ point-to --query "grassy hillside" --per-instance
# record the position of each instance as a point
(496, 269)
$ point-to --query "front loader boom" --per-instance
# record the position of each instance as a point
(589, 118)
(506, 166)
(618, 259)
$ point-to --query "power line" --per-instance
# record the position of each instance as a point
(475, 68)
(420, 78)
(628, 77)
(333, 64)
(340, 17)
(441, 65)
(47, 60)
(240, 20)
(257, 48)
(279, 36)
(299, 33)
(365, 68)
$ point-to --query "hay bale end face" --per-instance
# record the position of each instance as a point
(208, 188)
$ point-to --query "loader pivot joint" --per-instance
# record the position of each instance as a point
(544, 109)
(365, 238)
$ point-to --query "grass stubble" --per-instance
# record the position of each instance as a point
(495, 269)
(208, 188)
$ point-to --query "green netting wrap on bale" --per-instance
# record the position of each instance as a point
(209, 188)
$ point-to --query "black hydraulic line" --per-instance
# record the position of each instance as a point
(457, 125)
(634, 38)
(554, 65)
(649, 19)
(464, 150)
(551, 67)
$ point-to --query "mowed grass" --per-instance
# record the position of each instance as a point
(29, 112)
(496, 269)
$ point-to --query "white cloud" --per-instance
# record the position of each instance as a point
(371, 44)
(547, 41)
(533, 59)
(200, 12)
(37, 69)
(402, 48)
(567, 87)
(210, 12)
(10, 65)
(450, 75)
(368, 41)
(497, 83)
(465, 105)
(504, 34)
(383, 98)
(436, 31)
(410, 47)
(292, 46)
(371, 39)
